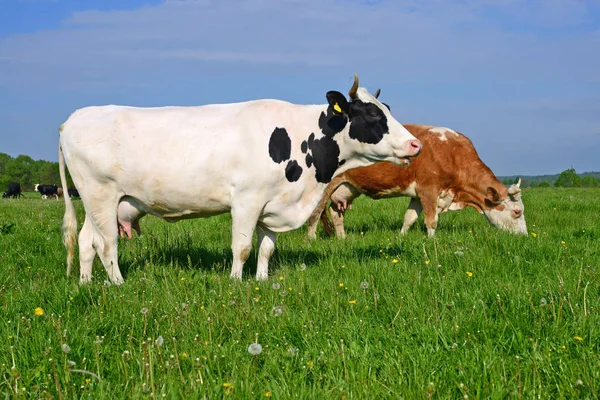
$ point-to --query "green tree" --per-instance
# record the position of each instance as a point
(568, 178)
(589, 181)
(544, 184)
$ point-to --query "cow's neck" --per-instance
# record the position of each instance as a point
(474, 191)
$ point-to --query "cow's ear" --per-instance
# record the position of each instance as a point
(388, 107)
(337, 102)
(493, 197)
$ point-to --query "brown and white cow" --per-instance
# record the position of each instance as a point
(447, 175)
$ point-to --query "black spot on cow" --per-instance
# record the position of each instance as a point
(368, 123)
(311, 139)
(304, 146)
(280, 145)
(293, 171)
(325, 154)
(309, 160)
(332, 123)
(342, 162)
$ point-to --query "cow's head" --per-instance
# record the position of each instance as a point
(507, 214)
(373, 134)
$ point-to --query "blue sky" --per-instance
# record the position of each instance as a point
(521, 78)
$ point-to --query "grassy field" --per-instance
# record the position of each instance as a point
(473, 313)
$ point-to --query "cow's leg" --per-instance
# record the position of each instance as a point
(337, 217)
(243, 223)
(103, 213)
(429, 204)
(412, 214)
(86, 251)
(266, 246)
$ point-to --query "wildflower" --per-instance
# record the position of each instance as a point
(228, 387)
(352, 302)
(276, 286)
(182, 278)
(268, 394)
(71, 364)
(257, 288)
(469, 274)
(293, 351)
(427, 262)
(533, 234)
(395, 260)
(459, 253)
(144, 311)
(543, 302)
(364, 285)
(563, 347)
(212, 292)
(255, 349)
(310, 363)
(159, 341)
(343, 266)
(65, 348)
(578, 338)
(281, 278)
(302, 267)
(184, 355)
(290, 288)
(39, 311)
(341, 284)
(579, 382)
(276, 311)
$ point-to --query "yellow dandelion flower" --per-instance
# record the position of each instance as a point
(87, 380)
(39, 311)
(202, 307)
(395, 260)
(562, 242)
(578, 338)
(257, 288)
(352, 302)
(343, 266)
(341, 284)
(290, 288)
(281, 278)
(380, 250)
(469, 274)
(310, 363)
(533, 234)
(268, 394)
(563, 347)
(184, 355)
(182, 278)
(427, 262)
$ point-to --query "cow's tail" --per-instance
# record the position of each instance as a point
(317, 214)
(69, 226)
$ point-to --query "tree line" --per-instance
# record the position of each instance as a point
(27, 172)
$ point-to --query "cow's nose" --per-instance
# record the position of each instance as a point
(517, 212)
(414, 147)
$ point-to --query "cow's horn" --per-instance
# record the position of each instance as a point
(376, 94)
(354, 87)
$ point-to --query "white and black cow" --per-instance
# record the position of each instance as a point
(267, 162)
(47, 190)
(73, 192)
(13, 190)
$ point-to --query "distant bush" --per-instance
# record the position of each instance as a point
(544, 184)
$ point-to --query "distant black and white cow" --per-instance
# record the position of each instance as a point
(13, 190)
(267, 162)
(47, 190)
(73, 192)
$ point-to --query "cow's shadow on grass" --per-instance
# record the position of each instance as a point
(199, 258)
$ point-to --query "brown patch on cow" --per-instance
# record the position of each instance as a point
(245, 253)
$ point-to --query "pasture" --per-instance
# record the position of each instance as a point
(473, 313)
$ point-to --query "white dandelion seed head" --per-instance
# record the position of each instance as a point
(276, 311)
(144, 311)
(543, 302)
(459, 253)
(71, 363)
(293, 351)
(159, 341)
(579, 382)
(125, 353)
(364, 285)
(212, 292)
(276, 286)
(255, 349)
(65, 348)
(302, 267)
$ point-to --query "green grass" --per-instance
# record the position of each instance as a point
(474, 312)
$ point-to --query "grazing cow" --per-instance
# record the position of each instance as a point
(73, 192)
(267, 162)
(13, 190)
(447, 175)
(48, 191)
